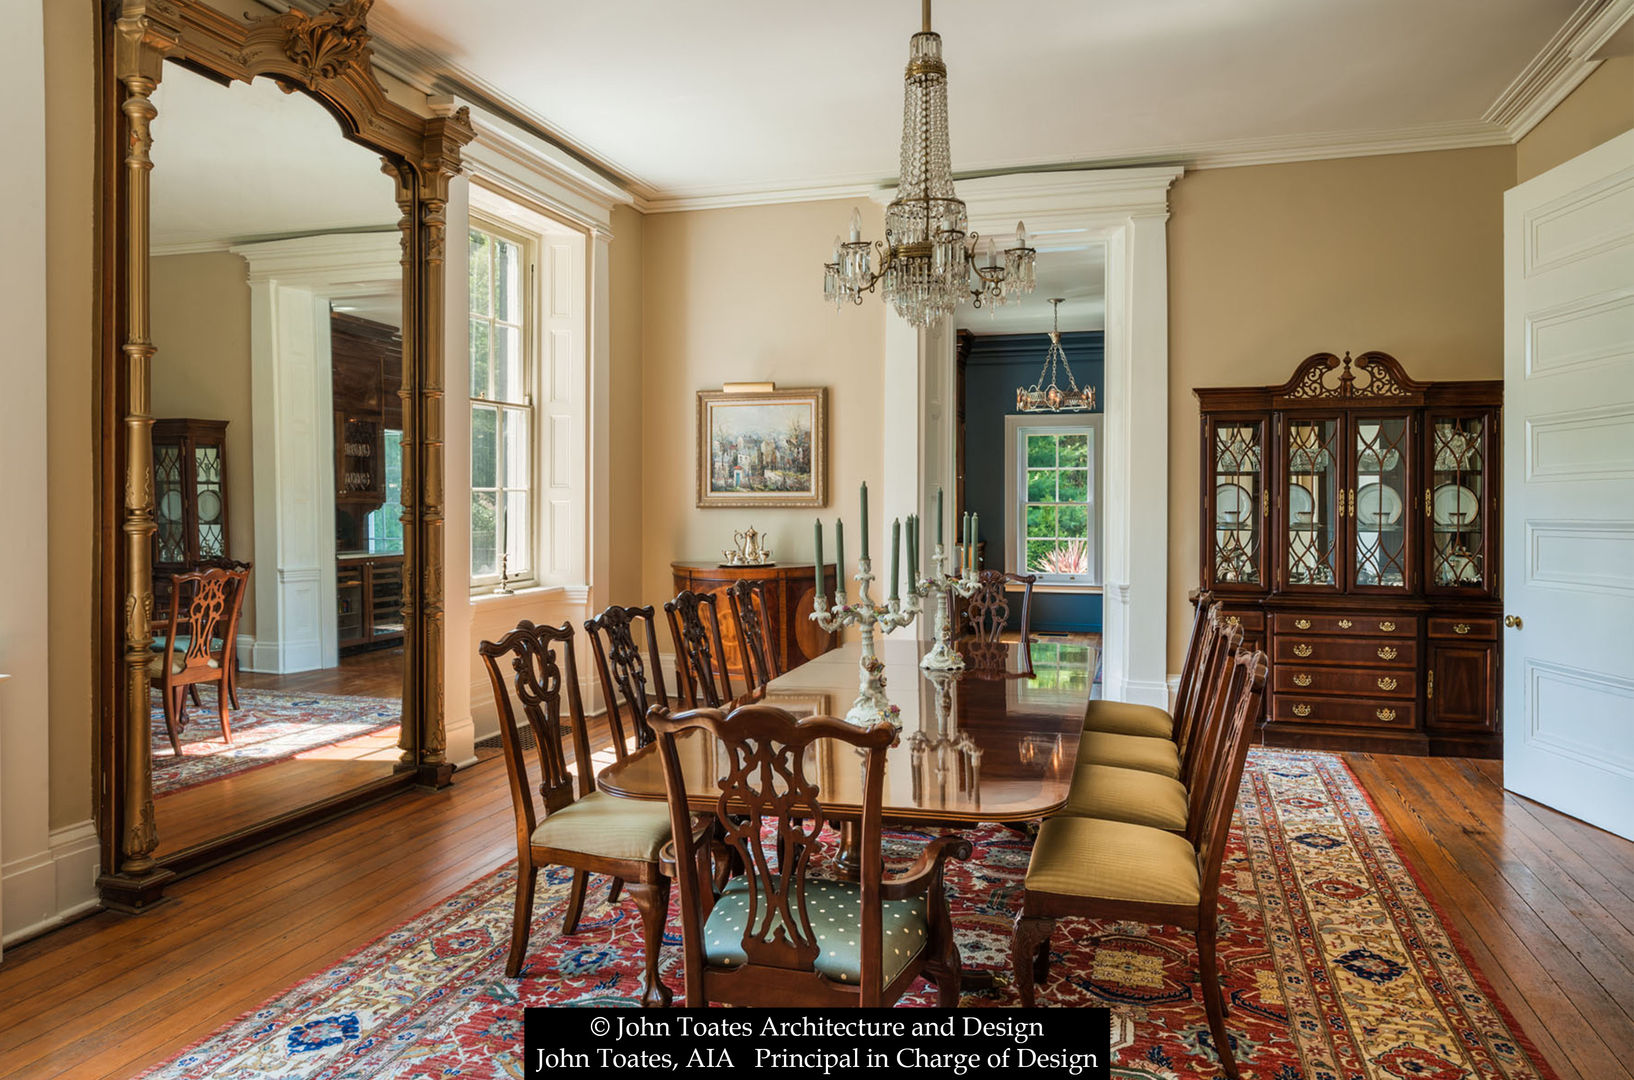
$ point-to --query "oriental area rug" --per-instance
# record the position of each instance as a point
(1337, 965)
(271, 726)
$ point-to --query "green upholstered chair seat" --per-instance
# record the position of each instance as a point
(183, 643)
(156, 666)
(612, 828)
(835, 911)
(1126, 718)
(1113, 860)
(1130, 752)
(1128, 795)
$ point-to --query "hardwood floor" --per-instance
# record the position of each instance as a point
(1544, 903)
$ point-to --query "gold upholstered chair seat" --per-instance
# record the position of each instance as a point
(835, 910)
(1130, 752)
(1128, 795)
(1127, 718)
(1113, 860)
(599, 824)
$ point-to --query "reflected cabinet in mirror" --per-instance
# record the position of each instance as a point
(272, 370)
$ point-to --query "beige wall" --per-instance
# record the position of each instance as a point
(70, 163)
(1269, 264)
(1600, 108)
(731, 295)
(201, 326)
(625, 253)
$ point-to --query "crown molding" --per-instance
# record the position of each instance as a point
(189, 247)
(1558, 68)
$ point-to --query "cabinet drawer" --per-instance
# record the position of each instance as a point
(1308, 709)
(1300, 679)
(1466, 629)
(1252, 622)
(1405, 626)
(1380, 651)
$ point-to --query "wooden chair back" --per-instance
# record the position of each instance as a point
(1213, 824)
(1194, 653)
(770, 813)
(987, 611)
(540, 681)
(697, 647)
(1211, 659)
(203, 610)
(749, 611)
(1215, 699)
(623, 672)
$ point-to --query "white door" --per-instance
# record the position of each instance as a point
(1568, 530)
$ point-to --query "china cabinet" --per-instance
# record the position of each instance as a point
(1350, 527)
(189, 497)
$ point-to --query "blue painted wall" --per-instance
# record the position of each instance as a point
(998, 363)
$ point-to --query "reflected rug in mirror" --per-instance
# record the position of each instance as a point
(271, 726)
(1336, 965)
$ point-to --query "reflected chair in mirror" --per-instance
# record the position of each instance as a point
(987, 612)
(203, 613)
(1128, 718)
(623, 672)
(580, 828)
(779, 934)
(695, 625)
(227, 645)
(749, 612)
(1112, 871)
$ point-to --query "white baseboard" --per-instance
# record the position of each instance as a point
(44, 890)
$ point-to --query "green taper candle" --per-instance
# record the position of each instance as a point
(817, 534)
(864, 519)
(896, 557)
(939, 515)
(839, 559)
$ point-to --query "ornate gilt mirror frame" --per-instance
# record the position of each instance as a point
(327, 57)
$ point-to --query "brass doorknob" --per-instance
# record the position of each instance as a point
(1512, 621)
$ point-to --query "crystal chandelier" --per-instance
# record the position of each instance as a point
(928, 261)
(1051, 398)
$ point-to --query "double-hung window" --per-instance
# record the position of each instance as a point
(502, 406)
(1052, 509)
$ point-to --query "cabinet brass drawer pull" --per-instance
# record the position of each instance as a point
(1387, 626)
(1387, 652)
(1387, 682)
(1345, 624)
(1386, 715)
(1461, 628)
(1302, 679)
(1302, 649)
(1233, 620)
(1302, 710)
(1303, 624)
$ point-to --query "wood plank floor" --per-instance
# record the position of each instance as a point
(1544, 903)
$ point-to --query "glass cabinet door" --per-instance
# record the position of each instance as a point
(209, 503)
(1312, 468)
(169, 504)
(1377, 501)
(1237, 498)
(1455, 500)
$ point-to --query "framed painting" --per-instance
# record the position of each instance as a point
(763, 448)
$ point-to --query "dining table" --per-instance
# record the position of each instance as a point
(994, 742)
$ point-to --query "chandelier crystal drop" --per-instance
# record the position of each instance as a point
(1041, 398)
(928, 261)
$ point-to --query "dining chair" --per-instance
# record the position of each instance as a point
(1114, 871)
(201, 613)
(749, 611)
(580, 828)
(623, 672)
(779, 934)
(1167, 757)
(987, 611)
(229, 630)
(1129, 718)
(698, 649)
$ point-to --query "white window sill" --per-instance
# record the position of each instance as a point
(1085, 589)
(530, 592)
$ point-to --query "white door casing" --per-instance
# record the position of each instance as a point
(1127, 210)
(1568, 527)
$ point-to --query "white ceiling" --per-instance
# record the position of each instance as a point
(249, 162)
(730, 96)
(1076, 274)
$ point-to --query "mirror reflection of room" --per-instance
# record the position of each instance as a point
(278, 559)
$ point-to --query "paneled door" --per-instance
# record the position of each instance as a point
(1568, 531)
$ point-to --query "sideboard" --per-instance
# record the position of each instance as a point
(790, 596)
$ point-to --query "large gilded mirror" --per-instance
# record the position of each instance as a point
(272, 389)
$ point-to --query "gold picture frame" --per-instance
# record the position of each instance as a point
(766, 448)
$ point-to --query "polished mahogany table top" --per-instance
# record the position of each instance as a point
(995, 742)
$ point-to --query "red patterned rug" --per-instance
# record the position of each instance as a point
(271, 726)
(1337, 965)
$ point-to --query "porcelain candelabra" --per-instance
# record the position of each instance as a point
(869, 617)
(943, 656)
